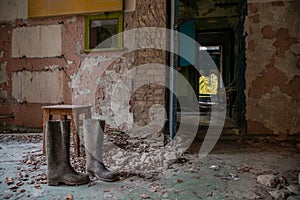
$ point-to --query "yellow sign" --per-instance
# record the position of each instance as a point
(208, 84)
(45, 8)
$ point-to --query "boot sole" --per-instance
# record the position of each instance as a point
(57, 182)
(100, 178)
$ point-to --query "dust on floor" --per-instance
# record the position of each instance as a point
(235, 169)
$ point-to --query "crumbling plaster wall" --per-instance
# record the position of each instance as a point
(22, 70)
(124, 108)
(33, 75)
(150, 13)
(273, 67)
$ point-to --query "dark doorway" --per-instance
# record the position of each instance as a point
(224, 39)
(220, 46)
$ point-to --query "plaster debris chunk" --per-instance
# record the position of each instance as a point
(270, 180)
(279, 194)
(295, 189)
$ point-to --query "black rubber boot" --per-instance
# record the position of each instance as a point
(58, 155)
(93, 137)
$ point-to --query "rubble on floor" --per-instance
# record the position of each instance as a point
(249, 169)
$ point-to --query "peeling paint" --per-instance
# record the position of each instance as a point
(272, 76)
(3, 94)
(283, 42)
(69, 63)
(288, 65)
(52, 67)
(276, 110)
(41, 81)
(1, 54)
(77, 48)
(3, 74)
(72, 20)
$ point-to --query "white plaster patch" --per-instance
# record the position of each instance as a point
(3, 94)
(13, 9)
(3, 74)
(38, 87)
(129, 5)
(72, 20)
(120, 104)
(77, 48)
(52, 67)
(37, 41)
(295, 48)
(1, 54)
(288, 65)
(69, 63)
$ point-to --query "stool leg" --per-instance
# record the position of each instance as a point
(88, 114)
(46, 117)
(75, 130)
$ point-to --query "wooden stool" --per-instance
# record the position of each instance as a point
(64, 111)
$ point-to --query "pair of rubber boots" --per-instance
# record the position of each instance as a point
(58, 153)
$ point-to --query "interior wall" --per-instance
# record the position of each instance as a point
(21, 73)
(273, 67)
(272, 57)
(38, 57)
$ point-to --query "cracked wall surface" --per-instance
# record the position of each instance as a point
(31, 77)
(124, 107)
(273, 70)
(40, 58)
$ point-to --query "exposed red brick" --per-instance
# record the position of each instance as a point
(252, 8)
(111, 66)
(278, 3)
(103, 74)
(254, 18)
(264, 84)
(117, 69)
(267, 32)
(251, 31)
(100, 94)
(273, 77)
(292, 88)
(254, 127)
(283, 42)
(251, 45)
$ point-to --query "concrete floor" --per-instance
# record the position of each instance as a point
(228, 172)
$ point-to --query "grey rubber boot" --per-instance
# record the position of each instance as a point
(58, 155)
(93, 138)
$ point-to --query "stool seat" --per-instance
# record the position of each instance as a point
(74, 111)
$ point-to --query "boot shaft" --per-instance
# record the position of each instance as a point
(93, 137)
(59, 169)
(58, 139)
(65, 135)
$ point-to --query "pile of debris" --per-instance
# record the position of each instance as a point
(278, 187)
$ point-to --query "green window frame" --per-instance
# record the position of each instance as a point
(105, 17)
